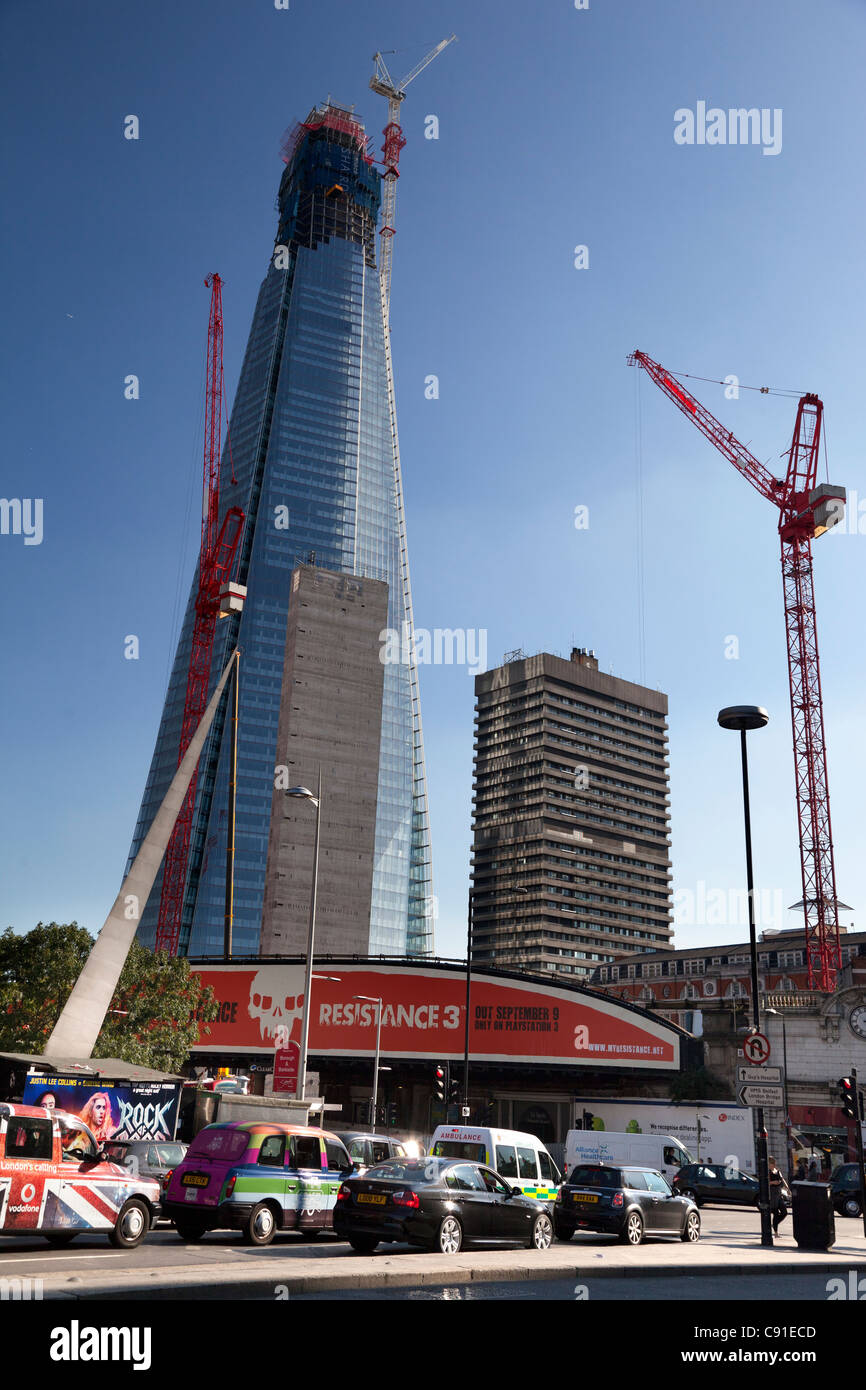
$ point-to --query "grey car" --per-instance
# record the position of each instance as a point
(149, 1158)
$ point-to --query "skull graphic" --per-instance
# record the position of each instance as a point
(277, 1000)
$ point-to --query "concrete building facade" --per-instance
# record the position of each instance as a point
(330, 719)
(571, 856)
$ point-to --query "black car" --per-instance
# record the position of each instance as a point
(629, 1202)
(719, 1185)
(845, 1189)
(439, 1203)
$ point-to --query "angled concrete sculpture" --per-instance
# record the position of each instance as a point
(77, 1028)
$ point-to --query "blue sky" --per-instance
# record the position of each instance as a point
(556, 129)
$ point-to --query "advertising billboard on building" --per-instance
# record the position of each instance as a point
(111, 1109)
(726, 1131)
(423, 1015)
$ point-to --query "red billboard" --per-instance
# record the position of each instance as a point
(423, 1016)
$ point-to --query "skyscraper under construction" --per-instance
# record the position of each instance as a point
(314, 464)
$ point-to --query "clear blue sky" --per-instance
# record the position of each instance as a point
(556, 129)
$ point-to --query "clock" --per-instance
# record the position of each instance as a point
(857, 1020)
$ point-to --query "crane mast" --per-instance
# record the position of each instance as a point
(805, 511)
(219, 546)
(382, 83)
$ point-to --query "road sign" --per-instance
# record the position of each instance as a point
(755, 1074)
(759, 1096)
(756, 1049)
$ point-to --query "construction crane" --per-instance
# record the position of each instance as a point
(219, 546)
(805, 512)
(383, 83)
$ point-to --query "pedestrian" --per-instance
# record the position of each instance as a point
(777, 1196)
(801, 1170)
(813, 1169)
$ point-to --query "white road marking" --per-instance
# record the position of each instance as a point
(29, 1259)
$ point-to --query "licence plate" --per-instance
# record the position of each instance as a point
(585, 1197)
(194, 1180)
(372, 1198)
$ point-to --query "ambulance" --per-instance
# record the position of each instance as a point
(519, 1158)
(56, 1182)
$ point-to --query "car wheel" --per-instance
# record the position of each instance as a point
(562, 1232)
(363, 1245)
(542, 1233)
(450, 1238)
(260, 1226)
(692, 1229)
(60, 1237)
(632, 1231)
(691, 1194)
(132, 1225)
(851, 1206)
(190, 1231)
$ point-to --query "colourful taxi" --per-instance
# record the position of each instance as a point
(258, 1178)
(55, 1181)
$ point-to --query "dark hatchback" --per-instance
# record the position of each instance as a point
(438, 1203)
(628, 1202)
(715, 1184)
(845, 1189)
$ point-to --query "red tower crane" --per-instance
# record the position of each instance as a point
(219, 546)
(805, 511)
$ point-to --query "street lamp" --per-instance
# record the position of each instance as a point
(368, 999)
(778, 1014)
(307, 795)
(469, 934)
(741, 718)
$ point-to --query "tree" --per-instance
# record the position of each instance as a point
(155, 1015)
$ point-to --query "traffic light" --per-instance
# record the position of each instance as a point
(391, 1114)
(848, 1096)
(454, 1086)
(440, 1082)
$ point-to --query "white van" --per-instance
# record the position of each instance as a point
(519, 1158)
(660, 1151)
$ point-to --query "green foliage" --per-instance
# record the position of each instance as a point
(698, 1084)
(153, 1019)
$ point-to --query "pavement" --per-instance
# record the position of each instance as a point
(285, 1268)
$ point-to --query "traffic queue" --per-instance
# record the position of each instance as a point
(475, 1185)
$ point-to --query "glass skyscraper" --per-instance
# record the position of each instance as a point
(315, 465)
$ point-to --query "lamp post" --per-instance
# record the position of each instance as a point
(469, 931)
(307, 795)
(469, 915)
(368, 999)
(778, 1014)
(741, 718)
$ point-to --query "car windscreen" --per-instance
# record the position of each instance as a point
(169, 1155)
(219, 1142)
(584, 1176)
(454, 1148)
(415, 1170)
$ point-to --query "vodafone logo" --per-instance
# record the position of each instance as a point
(28, 1192)
(723, 1117)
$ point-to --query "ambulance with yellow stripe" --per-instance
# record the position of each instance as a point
(521, 1159)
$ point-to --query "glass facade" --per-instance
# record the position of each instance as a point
(315, 459)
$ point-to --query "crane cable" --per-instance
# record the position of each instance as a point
(762, 390)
